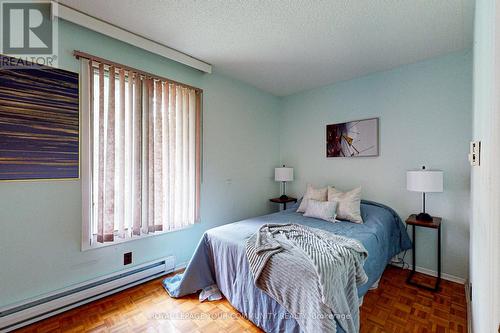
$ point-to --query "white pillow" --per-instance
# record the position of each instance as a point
(349, 204)
(319, 194)
(325, 210)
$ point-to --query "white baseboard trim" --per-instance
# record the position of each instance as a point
(433, 273)
(444, 276)
(469, 305)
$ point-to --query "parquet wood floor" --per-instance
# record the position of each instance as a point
(394, 307)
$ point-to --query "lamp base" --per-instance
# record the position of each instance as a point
(424, 217)
(284, 197)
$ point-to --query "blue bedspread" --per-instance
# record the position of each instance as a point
(220, 258)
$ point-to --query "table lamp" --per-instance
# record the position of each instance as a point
(283, 175)
(424, 181)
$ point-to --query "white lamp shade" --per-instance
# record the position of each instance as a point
(283, 174)
(424, 181)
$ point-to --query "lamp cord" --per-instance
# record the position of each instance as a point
(400, 261)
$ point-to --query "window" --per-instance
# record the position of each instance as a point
(140, 156)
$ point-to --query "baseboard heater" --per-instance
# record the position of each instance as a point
(27, 312)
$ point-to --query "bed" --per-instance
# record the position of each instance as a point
(220, 258)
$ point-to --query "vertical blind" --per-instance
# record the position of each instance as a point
(145, 140)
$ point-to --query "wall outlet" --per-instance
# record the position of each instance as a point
(475, 153)
(127, 258)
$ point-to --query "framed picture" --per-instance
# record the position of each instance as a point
(357, 138)
(39, 122)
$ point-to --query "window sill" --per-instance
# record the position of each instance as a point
(118, 241)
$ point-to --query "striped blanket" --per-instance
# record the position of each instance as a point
(312, 273)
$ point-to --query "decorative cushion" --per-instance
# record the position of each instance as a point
(349, 204)
(319, 194)
(325, 210)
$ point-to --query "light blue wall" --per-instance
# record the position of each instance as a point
(40, 235)
(425, 119)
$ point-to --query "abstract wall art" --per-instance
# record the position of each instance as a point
(352, 139)
(39, 122)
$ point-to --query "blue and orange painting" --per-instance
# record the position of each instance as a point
(39, 122)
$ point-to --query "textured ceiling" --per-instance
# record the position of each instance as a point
(287, 46)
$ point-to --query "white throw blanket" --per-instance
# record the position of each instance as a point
(313, 274)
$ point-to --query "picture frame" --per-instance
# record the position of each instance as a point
(39, 122)
(357, 138)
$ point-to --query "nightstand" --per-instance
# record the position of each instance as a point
(434, 224)
(283, 201)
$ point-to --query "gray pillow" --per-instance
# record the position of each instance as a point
(324, 210)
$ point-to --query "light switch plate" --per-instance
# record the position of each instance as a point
(475, 153)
